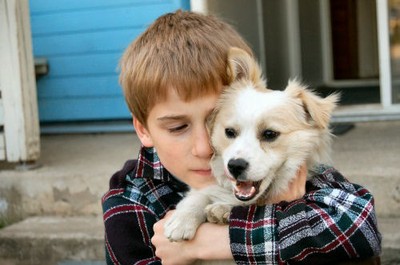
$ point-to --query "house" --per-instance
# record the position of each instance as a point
(82, 41)
(76, 45)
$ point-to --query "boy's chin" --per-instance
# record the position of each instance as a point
(200, 183)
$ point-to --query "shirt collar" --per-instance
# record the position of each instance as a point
(150, 166)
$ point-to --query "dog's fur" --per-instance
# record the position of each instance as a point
(260, 139)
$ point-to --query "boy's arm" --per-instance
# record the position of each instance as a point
(210, 243)
(128, 225)
(334, 221)
(128, 230)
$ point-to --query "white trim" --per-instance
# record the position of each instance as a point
(1, 112)
(2, 147)
(18, 84)
(353, 83)
(293, 36)
(385, 73)
(326, 40)
(366, 112)
(261, 36)
(88, 127)
(199, 6)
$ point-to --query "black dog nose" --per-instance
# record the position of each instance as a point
(237, 166)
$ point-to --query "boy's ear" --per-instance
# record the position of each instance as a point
(143, 133)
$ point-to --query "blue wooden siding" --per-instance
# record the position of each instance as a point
(83, 41)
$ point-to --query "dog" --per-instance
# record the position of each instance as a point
(260, 138)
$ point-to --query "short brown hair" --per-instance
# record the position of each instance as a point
(184, 51)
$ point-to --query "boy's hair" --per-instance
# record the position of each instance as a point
(184, 51)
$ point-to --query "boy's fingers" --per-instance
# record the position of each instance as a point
(169, 213)
(159, 226)
(300, 180)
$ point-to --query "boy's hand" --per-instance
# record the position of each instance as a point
(296, 189)
(169, 252)
(211, 242)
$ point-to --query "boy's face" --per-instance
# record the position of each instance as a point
(177, 129)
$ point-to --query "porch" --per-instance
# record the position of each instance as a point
(56, 208)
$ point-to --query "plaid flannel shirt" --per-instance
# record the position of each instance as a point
(334, 221)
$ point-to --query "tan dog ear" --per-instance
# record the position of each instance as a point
(211, 120)
(242, 66)
(210, 126)
(319, 109)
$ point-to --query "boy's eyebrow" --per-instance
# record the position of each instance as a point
(171, 117)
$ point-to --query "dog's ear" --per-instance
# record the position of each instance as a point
(211, 120)
(210, 126)
(319, 109)
(243, 66)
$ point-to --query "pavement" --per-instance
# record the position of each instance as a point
(52, 211)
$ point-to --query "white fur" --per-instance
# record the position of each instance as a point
(300, 117)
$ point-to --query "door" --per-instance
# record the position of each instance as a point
(344, 39)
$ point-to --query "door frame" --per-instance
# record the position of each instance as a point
(386, 109)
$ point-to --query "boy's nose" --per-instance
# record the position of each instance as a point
(201, 144)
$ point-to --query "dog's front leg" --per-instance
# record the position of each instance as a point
(189, 214)
(222, 203)
(218, 213)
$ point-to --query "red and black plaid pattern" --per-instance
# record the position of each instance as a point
(140, 194)
(149, 166)
(334, 221)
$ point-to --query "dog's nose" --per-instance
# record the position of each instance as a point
(237, 166)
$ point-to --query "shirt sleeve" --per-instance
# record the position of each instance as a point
(334, 221)
(128, 230)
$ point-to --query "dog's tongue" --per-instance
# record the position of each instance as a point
(245, 191)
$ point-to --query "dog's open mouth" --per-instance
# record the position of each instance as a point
(246, 190)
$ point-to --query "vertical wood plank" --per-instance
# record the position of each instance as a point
(2, 147)
(1, 113)
(2, 144)
(17, 81)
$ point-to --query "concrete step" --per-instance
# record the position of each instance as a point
(53, 241)
(75, 171)
(73, 175)
(79, 241)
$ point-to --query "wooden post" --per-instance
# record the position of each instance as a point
(20, 134)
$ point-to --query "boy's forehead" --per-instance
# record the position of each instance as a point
(187, 95)
(173, 100)
(171, 103)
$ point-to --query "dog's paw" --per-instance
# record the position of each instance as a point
(181, 226)
(218, 213)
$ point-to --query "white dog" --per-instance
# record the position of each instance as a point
(260, 139)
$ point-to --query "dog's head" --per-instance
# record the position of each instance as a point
(260, 136)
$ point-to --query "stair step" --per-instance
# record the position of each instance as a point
(79, 241)
(53, 241)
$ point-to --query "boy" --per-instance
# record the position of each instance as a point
(172, 76)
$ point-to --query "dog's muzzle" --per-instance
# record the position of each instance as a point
(244, 190)
(237, 167)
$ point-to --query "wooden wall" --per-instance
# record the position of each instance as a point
(83, 41)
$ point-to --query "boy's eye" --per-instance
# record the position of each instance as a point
(178, 128)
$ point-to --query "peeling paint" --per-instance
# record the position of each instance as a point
(396, 194)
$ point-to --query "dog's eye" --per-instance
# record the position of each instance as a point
(230, 133)
(269, 135)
